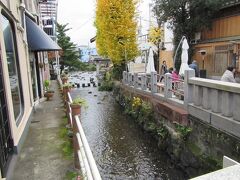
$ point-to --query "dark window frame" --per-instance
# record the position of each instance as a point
(18, 119)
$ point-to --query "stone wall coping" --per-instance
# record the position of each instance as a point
(232, 172)
(215, 84)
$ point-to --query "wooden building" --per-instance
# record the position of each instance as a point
(220, 45)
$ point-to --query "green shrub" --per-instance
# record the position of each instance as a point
(183, 130)
(79, 101)
(106, 86)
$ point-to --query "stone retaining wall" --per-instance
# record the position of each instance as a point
(198, 152)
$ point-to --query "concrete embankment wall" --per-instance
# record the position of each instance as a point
(193, 144)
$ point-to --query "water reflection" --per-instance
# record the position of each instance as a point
(120, 147)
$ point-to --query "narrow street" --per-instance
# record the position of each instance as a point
(41, 156)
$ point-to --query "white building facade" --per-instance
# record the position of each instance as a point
(23, 68)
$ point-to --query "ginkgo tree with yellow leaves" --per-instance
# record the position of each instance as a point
(116, 30)
(155, 35)
(155, 38)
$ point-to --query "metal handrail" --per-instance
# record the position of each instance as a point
(92, 164)
(83, 160)
(85, 157)
(69, 98)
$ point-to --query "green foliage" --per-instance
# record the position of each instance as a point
(146, 112)
(67, 149)
(64, 75)
(106, 86)
(69, 54)
(142, 112)
(66, 146)
(90, 67)
(146, 109)
(212, 162)
(73, 175)
(186, 17)
(70, 175)
(152, 126)
(194, 149)
(63, 132)
(117, 71)
(67, 85)
(107, 83)
(79, 101)
(47, 84)
(158, 129)
(183, 130)
(83, 66)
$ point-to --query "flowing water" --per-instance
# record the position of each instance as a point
(120, 147)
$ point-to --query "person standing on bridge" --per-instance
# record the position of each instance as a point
(228, 75)
(163, 70)
(194, 66)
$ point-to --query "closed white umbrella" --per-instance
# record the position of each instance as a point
(184, 57)
(150, 64)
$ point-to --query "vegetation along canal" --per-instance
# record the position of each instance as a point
(120, 147)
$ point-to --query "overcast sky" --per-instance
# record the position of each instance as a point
(79, 14)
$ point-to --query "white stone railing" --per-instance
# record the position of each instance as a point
(216, 96)
(169, 88)
(214, 102)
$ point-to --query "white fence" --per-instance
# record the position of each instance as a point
(82, 152)
(83, 158)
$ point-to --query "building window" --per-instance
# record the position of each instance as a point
(13, 66)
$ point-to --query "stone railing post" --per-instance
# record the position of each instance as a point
(154, 82)
(206, 104)
(144, 82)
(216, 100)
(132, 78)
(124, 80)
(197, 95)
(236, 105)
(135, 80)
(129, 79)
(227, 104)
(188, 89)
(168, 85)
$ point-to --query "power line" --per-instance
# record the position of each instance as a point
(82, 25)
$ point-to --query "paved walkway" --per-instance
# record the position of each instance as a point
(41, 156)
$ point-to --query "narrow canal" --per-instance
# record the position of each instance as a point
(120, 147)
